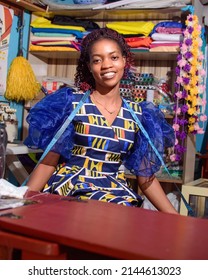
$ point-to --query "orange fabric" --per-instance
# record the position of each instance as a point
(137, 42)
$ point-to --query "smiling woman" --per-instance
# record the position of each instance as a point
(103, 134)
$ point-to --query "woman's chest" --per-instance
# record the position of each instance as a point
(93, 130)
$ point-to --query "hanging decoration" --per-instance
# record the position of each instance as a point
(190, 98)
(21, 84)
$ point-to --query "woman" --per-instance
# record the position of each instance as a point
(102, 135)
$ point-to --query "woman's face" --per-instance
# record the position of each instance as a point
(106, 64)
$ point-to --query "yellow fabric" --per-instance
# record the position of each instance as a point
(41, 48)
(132, 27)
(41, 22)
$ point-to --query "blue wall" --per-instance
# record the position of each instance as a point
(13, 48)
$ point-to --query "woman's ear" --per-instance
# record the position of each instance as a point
(124, 58)
(88, 65)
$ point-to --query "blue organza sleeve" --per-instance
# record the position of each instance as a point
(142, 160)
(46, 117)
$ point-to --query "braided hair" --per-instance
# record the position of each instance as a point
(83, 78)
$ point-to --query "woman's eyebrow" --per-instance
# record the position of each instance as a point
(101, 54)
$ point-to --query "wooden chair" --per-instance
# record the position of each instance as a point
(14, 246)
(204, 158)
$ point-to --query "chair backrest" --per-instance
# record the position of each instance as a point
(204, 158)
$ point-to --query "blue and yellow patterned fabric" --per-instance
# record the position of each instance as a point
(93, 151)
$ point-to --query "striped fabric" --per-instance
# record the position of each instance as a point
(93, 170)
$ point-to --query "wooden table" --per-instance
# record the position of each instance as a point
(98, 230)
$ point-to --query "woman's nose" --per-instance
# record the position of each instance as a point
(106, 63)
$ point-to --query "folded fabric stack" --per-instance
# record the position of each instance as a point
(135, 33)
(166, 36)
(62, 33)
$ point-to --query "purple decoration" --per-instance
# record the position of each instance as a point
(176, 121)
(174, 108)
(184, 108)
(184, 93)
(183, 135)
(186, 80)
(177, 70)
(183, 122)
(183, 78)
(188, 55)
(188, 42)
(177, 157)
(179, 57)
(187, 67)
(190, 29)
(177, 147)
(182, 150)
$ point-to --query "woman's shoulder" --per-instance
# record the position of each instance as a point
(144, 107)
(62, 93)
(135, 106)
(63, 98)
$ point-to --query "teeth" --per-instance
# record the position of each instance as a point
(109, 75)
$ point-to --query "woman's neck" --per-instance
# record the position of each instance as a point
(109, 102)
(109, 97)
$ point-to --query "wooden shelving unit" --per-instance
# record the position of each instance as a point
(22, 4)
(144, 55)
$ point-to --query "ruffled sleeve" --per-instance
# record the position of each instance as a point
(142, 160)
(46, 117)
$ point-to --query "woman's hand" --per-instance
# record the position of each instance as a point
(154, 192)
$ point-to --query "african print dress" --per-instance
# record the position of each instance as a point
(93, 151)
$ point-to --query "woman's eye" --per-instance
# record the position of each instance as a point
(95, 61)
(114, 57)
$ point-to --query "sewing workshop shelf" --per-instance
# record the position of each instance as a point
(122, 13)
(138, 55)
(104, 16)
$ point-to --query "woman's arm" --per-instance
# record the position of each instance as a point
(154, 192)
(41, 174)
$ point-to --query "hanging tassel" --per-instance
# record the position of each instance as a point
(21, 84)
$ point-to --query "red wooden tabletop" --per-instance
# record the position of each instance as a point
(111, 230)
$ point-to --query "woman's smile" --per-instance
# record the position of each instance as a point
(108, 75)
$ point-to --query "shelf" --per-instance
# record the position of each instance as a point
(142, 55)
(160, 179)
(23, 5)
(112, 14)
(130, 11)
(55, 54)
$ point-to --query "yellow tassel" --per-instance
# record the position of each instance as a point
(21, 84)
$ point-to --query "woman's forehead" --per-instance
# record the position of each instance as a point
(104, 44)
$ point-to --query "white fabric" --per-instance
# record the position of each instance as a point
(167, 37)
(10, 190)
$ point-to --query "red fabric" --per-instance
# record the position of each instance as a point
(135, 42)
